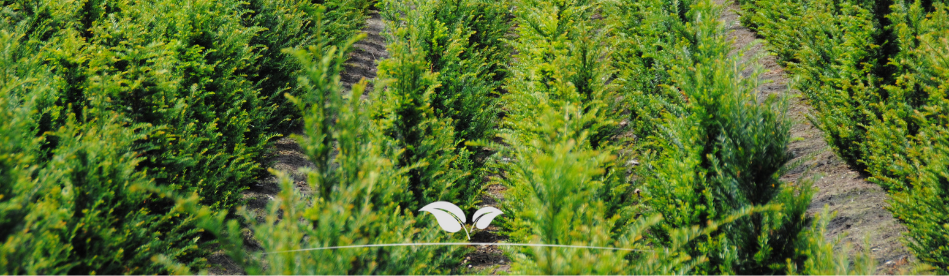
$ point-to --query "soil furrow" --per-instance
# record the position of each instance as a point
(860, 205)
(489, 257)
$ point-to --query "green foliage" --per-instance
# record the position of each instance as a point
(923, 210)
(131, 127)
(183, 68)
(565, 184)
(646, 31)
(710, 148)
(721, 151)
(875, 72)
(913, 113)
(406, 115)
(462, 42)
(725, 153)
(446, 63)
(833, 51)
(555, 197)
(194, 70)
(560, 194)
(72, 198)
(292, 24)
(124, 107)
(561, 61)
(377, 162)
(916, 118)
(355, 194)
(820, 257)
(558, 92)
(87, 209)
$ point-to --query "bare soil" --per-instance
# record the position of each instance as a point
(860, 206)
(488, 259)
(288, 156)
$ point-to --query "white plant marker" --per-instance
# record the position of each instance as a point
(451, 218)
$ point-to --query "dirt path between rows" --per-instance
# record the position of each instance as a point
(860, 205)
(288, 156)
(488, 258)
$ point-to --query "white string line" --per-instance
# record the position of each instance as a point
(458, 243)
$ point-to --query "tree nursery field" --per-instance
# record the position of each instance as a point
(579, 137)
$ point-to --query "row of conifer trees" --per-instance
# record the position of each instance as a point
(417, 137)
(135, 125)
(120, 118)
(876, 73)
(630, 126)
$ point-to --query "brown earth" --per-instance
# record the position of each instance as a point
(860, 206)
(287, 155)
(488, 259)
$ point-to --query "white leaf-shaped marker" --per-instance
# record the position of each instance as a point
(483, 217)
(443, 212)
